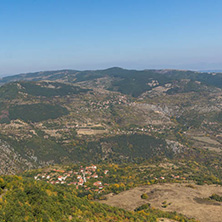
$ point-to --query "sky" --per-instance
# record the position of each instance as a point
(37, 35)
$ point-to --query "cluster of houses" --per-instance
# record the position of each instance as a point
(147, 129)
(151, 128)
(106, 104)
(173, 176)
(77, 178)
(178, 177)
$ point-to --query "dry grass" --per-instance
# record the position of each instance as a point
(90, 132)
(188, 200)
(207, 140)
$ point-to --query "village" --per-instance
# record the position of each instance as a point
(103, 179)
(115, 100)
(85, 178)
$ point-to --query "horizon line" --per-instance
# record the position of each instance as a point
(117, 67)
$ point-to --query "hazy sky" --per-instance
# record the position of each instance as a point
(89, 34)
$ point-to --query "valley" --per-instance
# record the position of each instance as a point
(148, 130)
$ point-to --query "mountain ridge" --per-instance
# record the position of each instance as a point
(132, 82)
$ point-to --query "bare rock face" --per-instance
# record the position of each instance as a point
(175, 146)
(10, 161)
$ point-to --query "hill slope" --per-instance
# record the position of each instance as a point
(109, 115)
(23, 200)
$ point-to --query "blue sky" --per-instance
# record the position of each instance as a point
(92, 34)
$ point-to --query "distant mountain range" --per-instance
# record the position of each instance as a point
(131, 82)
(215, 71)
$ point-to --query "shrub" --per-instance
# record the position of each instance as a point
(144, 196)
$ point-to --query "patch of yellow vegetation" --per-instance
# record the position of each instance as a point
(90, 132)
(50, 193)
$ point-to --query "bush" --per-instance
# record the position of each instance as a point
(144, 196)
(216, 197)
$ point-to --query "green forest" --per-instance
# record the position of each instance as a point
(36, 112)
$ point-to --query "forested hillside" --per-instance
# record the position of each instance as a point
(28, 200)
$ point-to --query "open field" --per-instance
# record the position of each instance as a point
(90, 132)
(182, 198)
(207, 140)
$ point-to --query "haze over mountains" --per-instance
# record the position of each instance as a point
(211, 70)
